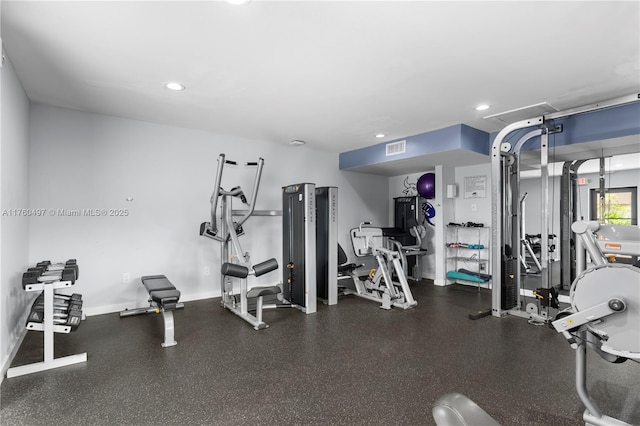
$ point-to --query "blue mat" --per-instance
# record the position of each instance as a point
(455, 275)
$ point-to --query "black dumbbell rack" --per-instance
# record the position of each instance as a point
(48, 278)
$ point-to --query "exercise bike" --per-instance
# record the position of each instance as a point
(605, 306)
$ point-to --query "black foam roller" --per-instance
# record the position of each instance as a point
(266, 266)
(233, 270)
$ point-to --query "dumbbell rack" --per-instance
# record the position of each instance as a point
(49, 328)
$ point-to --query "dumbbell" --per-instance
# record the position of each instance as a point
(39, 269)
(74, 319)
(37, 313)
(47, 263)
(73, 264)
(55, 267)
(71, 318)
(62, 301)
(67, 274)
(75, 297)
(472, 246)
(45, 272)
(32, 276)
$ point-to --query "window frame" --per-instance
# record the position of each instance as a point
(594, 195)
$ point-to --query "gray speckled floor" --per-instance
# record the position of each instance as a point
(350, 364)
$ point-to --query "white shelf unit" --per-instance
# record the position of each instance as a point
(469, 248)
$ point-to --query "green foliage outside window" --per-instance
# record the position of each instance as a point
(616, 213)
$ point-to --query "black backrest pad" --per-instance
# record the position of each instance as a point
(342, 256)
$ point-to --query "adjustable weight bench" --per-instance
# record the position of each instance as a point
(163, 297)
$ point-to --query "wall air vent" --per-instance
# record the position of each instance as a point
(394, 148)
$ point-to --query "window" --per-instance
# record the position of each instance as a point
(620, 206)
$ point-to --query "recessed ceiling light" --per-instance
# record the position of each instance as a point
(174, 85)
(297, 142)
(483, 107)
(380, 135)
(238, 2)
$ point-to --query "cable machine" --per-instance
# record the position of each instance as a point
(506, 208)
(236, 263)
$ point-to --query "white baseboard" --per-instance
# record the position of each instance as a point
(109, 309)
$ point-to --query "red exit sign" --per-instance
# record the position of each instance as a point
(581, 181)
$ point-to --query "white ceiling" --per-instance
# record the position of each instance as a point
(331, 73)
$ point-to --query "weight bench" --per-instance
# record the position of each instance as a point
(163, 297)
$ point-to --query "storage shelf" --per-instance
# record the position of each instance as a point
(475, 259)
(467, 259)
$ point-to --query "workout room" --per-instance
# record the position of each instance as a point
(315, 212)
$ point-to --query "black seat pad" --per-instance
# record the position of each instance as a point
(262, 291)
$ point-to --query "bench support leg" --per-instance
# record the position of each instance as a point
(169, 329)
(259, 310)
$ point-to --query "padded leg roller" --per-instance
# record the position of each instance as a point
(264, 267)
(233, 270)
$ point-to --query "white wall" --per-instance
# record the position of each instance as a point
(444, 176)
(476, 210)
(362, 197)
(14, 227)
(90, 161)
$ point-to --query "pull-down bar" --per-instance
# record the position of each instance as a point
(212, 231)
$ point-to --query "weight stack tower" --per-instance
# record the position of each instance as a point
(299, 246)
(327, 244)
(406, 211)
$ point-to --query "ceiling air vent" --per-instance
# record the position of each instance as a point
(524, 113)
(394, 148)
